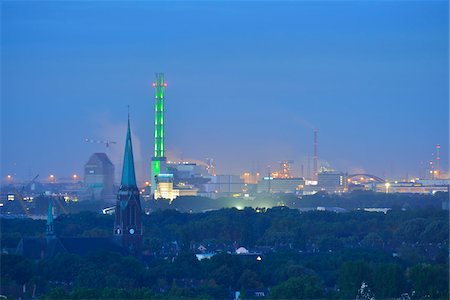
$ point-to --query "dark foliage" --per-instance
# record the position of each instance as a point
(305, 255)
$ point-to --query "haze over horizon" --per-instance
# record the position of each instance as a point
(247, 82)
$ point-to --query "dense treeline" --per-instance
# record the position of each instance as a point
(350, 201)
(289, 274)
(304, 255)
(277, 228)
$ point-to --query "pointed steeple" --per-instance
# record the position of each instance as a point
(128, 174)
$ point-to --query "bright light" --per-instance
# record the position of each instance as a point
(387, 185)
(153, 84)
(74, 176)
(147, 183)
(259, 258)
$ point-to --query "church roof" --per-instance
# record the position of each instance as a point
(39, 247)
(128, 174)
(32, 247)
(87, 245)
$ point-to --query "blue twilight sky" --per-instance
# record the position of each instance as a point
(248, 82)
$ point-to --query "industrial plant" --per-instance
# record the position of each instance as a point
(172, 179)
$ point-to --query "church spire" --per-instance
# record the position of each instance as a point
(128, 174)
(128, 220)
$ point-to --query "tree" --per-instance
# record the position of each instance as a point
(304, 287)
(249, 280)
(84, 293)
(372, 241)
(186, 265)
(389, 281)
(411, 230)
(351, 274)
(19, 269)
(329, 243)
(62, 267)
(57, 294)
(364, 292)
(429, 281)
(435, 232)
(223, 275)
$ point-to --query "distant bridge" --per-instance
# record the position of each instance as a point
(365, 177)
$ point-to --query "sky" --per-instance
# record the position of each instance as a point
(248, 82)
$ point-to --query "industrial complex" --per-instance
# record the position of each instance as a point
(172, 179)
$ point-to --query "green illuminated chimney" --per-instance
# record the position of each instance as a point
(159, 159)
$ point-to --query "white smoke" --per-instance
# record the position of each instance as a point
(116, 132)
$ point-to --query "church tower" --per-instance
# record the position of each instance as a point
(128, 222)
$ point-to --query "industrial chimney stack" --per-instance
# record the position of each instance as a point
(438, 160)
(315, 158)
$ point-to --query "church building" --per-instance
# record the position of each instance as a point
(127, 237)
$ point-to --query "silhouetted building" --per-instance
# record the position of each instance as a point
(128, 221)
(164, 187)
(37, 248)
(332, 182)
(127, 237)
(99, 176)
(225, 185)
(280, 185)
(419, 187)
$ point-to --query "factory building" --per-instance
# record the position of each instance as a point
(164, 187)
(251, 178)
(223, 186)
(418, 187)
(332, 182)
(169, 180)
(186, 170)
(310, 188)
(99, 177)
(280, 185)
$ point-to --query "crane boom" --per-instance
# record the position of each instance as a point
(106, 142)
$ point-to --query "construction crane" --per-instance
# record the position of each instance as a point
(106, 142)
(30, 184)
(19, 195)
